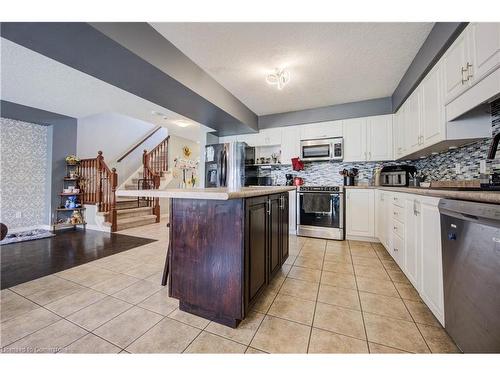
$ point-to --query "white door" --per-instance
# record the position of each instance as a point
(485, 54)
(379, 138)
(431, 287)
(290, 143)
(412, 121)
(355, 139)
(318, 130)
(412, 241)
(433, 121)
(360, 212)
(455, 67)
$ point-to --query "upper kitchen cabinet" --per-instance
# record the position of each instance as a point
(457, 64)
(290, 143)
(269, 137)
(368, 139)
(433, 124)
(399, 132)
(485, 49)
(327, 129)
(412, 121)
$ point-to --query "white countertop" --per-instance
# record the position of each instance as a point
(207, 193)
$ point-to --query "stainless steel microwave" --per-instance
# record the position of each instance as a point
(322, 149)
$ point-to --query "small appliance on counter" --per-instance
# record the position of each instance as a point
(397, 175)
(349, 176)
(289, 179)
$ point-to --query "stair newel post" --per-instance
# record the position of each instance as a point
(112, 210)
(156, 208)
(99, 181)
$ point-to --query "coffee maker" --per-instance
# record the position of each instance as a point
(289, 179)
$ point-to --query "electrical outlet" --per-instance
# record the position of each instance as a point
(19, 214)
(457, 168)
(482, 166)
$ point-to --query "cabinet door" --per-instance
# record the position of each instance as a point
(485, 45)
(256, 244)
(269, 137)
(274, 232)
(292, 211)
(412, 121)
(284, 229)
(399, 132)
(433, 122)
(454, 65)
(290, 143)
(355, 140)
(360, 212)
(412, 241)
(431, 287)
(327, 129)
(379, 138)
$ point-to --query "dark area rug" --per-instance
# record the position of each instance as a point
(29, 260)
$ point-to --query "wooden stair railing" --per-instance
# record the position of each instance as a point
(154, 162)
(98, 183)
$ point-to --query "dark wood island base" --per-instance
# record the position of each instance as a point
(223, 253)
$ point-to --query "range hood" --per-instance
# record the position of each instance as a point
(485, 91)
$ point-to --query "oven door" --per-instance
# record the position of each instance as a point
(320, 215)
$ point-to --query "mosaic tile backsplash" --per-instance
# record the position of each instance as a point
(435, 167)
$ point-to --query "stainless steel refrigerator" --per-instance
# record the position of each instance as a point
(225, 165)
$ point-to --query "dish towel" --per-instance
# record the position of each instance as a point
(316, 203)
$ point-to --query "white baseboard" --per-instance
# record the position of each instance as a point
(361, 238)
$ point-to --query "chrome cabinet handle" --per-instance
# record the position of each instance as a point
(370, 155)
(396, 249)
(469, 71)
(269, 207)
(462, 75)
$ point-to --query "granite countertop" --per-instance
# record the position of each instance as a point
(207, 193)
(484, 196)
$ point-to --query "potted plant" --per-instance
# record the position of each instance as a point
(72, 160)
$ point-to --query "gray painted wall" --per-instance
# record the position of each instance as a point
(63, 141)
(442, 35)
(364, 108)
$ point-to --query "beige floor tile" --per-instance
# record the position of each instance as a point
(264, 301)
(362, 251)
(389, 264)
(209, 343)
(58, 288)
(291, 258)
(311, 254)
(383, 305)
(397, 276)
(421, 313)
(283, 271)
(377, 286)
(364, 261)
(160, 303)
(306, 274)
(117, 264)
(343, 258)
(74, 302)
(395, 333)
(438, 340)
(329, 342)
(13, 305)
(99, 313)
(87, 275)
(128, 326)
(276, 335)
(300, 288)
(251, 350)
(339, 296)
(377, 246)
(243, 333)
(407, 291)
(314, 243)
(168, 336)
(191, 319)
(115, 284)
(138, 292)
(342, 280)
(276, 283)
(143, 271)
(382, 349)
(292, 308)
(333, 245)
(314, 263)
(341, 267)
(339, 320)
(371, 272)
(25, 324)
(91, 344)
(37, 285)
(366, 244)
(155, 278)
(50, 339)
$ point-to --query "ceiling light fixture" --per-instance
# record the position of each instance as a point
(280, 78)
(182, 123)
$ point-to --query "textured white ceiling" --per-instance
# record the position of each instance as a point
(34, 80)
(330, 63)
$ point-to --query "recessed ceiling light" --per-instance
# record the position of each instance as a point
(280, 78)
(182, 123)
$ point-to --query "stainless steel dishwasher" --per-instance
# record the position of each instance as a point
(470, 234)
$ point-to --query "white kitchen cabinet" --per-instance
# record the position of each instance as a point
(269, 137)
(379, 138)
(326, 129)
(355, 140)
(228, 138)
(433, 124)
(431, 276)
(360, 213)
(399, 132)
(456, 62)
(484, 38)
(412, 240)
(413, 121)
(290, 143)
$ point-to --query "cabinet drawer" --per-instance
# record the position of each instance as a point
(398, 201)
(398, 228)
(397, 249)
(398, 213)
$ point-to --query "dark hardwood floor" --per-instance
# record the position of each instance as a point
(26, 261)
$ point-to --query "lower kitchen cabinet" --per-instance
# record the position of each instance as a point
(360, 213)
(412, 240)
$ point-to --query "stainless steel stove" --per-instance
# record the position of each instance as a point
(320, 212)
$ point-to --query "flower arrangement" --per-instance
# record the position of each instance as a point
(72, 160)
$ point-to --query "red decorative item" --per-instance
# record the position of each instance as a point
(297, 181)
(297, 165)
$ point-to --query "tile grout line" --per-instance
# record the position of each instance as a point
(359, 299)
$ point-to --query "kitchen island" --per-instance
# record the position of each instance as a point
(225, 245)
